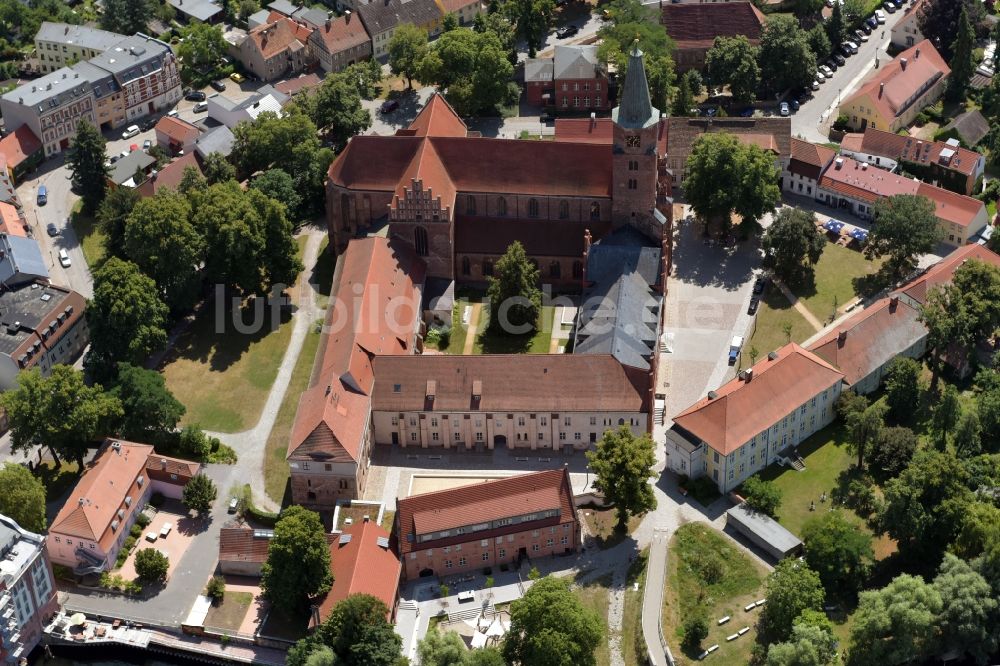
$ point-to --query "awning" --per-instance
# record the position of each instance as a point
(833, 225)
(859, 235)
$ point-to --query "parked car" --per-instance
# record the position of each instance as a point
(218, 86)
(172, 113)
(194, 96)
(200, 107)
(148, 124)
(759, 284)
(51, 229)
(130, 131)
(850, 46)
(826, 71)
(839, 59)
(236, 77)
(861, 35)
(64, 258)
(866, 29)
(234, 504)
(147, 144)
(815, 85)
(388, 106)
(784, 110)
(879, 17)
(734, 348)
(795, 104)
(754, 304)
(567, 31)
(747, 112)
(43, 195)
(889, 7)
(832, 64)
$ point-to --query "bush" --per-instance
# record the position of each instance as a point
(216, 588)
(157, 500)
(762, 496)
(841, 123)
(151, 565)
(265, 518)
(695, 631)
(142, 520)
(129, 544)
(136, 530)
(221, 454)
(710, 570)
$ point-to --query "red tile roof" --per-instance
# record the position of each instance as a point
(279, 35)
(743, 409)
(361, 566)
(852, 142)
(342, 33)
(243, 544)
(696, 25)
(377, 286)
(951, 206)
(437, 118)
(942, 271)
(897, 146)
(923, 66)
(292, 86)
(585, 130)
(860, 181)
(170, 176)
(10, 220)
(871, 338)
(809, 159)
(18, 145)
(509, 382)
(160, 468)
(177, 130)
(484, 503)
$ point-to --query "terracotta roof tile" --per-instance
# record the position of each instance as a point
(179, 130)
(585, 130)
(18, 145)
(897, 146)
(852, 142)
(951, 206)
(292, 86)
(942, 271)
(493, 235)
(342, 33)
(866, 183)
(279, 35)
(743, 409)
(243, 544)
(161, 468)
(696, 25)
(437, 118)
(482, 503)
(10, 220)
(169, 176)
(809, 159)
(361, 566)
(924, 65)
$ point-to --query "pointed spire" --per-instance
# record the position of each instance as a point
(635, 110)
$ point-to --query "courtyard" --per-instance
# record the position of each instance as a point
(182, 530)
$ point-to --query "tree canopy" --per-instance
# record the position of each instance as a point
(732, 61)
(962, 63)
(761, 496)
(86, 159)
(127, 17)
(150, 411)
(791, 589)
(549, 626)
(203, 45)
(111, 217)
(631, 20)
(22, 497)
(969, 614)
(515, 300)
(891, 452)
(786, 61)
(905, 227)
(894, 625)
(837, 550)
(407, 49)
(298, 560)
(622, 465)
(791, 244)
(474, 69)
(356, 633)
(939, 22)
(199, 493)
(335, 108)
(151, 565)
(902, 388)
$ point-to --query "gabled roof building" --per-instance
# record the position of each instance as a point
(694, 27)
(363, 560)
(574, 80)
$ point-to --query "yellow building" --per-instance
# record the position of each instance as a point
(382, 17)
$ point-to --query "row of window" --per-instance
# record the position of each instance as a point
(533, 208)
(576, 102)
(521, 421)
(586, 87)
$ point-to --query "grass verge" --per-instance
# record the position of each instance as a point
(596, 596)
(89, 234)
(603, 524)
(633, 643)
(230, 613)
(488, 342)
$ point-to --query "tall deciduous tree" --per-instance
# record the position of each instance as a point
(298, 561)
(683, 100)
(111, 216)
(622, 465)
(474, 69)
(902, 388)
(939, 21)
(969, 613)
(336, 106)
(947, 321)
(59, 412)
(905, 227)
(808, 645)
(22, 497)
(962, 64)
(203, 45)
(151, 565)
(127, 17)
(725, 176)
(442, 648)
(892, 452)
(218, 169)
(278, 185)
(86, 161)
(896, 624)
(550, 627)
(199, 493)
(967, 432)
(786, 61)
(151, 412)
(762, 496)
(407, 49)
(791, 244)
(532, 18)
(356, 633)
(838, 551)
(127, 318)
(732, 61)
(819, 42)
(515, 299)
(946, 413)
(791, 589)
(864, 428)
(988, 406)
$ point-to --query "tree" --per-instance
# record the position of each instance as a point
(962, 64)
(298, 561)
(442, 648)
(503, 29)
(835, 27)
(234, 242)
(550, 627)
(905, 227)
(199, 493)
(59, 412)
(969, 612)
(791, 589)
(967, 432)
(837, 550)
(474, 69)
(532, 19)
(978, 532)
(280, 259)
(622, 465)
(218, 169)
(194, 443)
(786, 61)
(202, 46)
(695, 631)
(939, 22)
(725, 176)
(807, 7)
(151, 565)
(336, 106)
(366, 76)
(733, 61)
(683, 100)
(111, 216)
(895, 625)
(979, 285)
(127, 17)
(151, 412)
(819, 42)
(891, 452)
(632, 20)
(126, 317)
(355, 633)
(761, 496)
(923, 505)
(864, 428)
(85, 159)
(22, 497)
(791, 244)
(808, 645)
(278, 185)
(944, 314)
(946, 414)
(988, 407)
(407, 49)
(902, 388)
(694, 81)
(515, 299)
(489, 656)
(162, 241)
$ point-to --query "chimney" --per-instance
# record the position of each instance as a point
(838, 163)
(152, 175)
(749, 374)
(82, 501)
(587, 241)
(163, 463)
(893, 303)
(916, 55)
(881, 89)
(593, 119)
(902, 63)
(367, 518)
(841, 338)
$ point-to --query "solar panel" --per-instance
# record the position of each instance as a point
(345, 538)
(383, 542)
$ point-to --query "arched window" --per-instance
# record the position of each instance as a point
(466, 266)
(555, 270)
(470, 206)
(532, 207)
(563, 209)
(420, 241)
(595, 211)
(621, 421)
(501, 206)
(487, 267)
(577, 270)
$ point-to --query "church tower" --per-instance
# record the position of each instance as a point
(635, 159)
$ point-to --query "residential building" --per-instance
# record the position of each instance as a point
(51, 107)
(562, 402)
(243, 550)
(906, 32)
(21, 261)
(122, 173)
(60, 45)
(807, 163)
(971, 127)
(206, 11)
(216, 140)
(174, 135)
(146, 71)
(170, 176)
(463, 10)
(27, 591)
(382, 17)
(750, 422)
(943, 163)
(340, 42)
(21, 152)
(379, 284)
(915, 292)
(694, 27)
(170, 475)
(900, 89)
(363, 561)
(573, 80)
(231, 113)
(854, 187)
(12, 222)
(274, 50)
(773, 134)
(863, 346)
(489, 524)
(108, 97)
(92, 526)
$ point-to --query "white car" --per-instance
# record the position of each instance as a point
(64, 260)
(200, 107)
(815, 85)
(820, 76)
(826, 71)
(131, 131)
(880, 16)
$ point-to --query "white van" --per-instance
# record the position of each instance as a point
(64, 258)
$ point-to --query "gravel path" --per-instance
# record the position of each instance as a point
(250, 444)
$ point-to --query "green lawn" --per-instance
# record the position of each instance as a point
(275, 467)
(456, 345)
(223, 377)
(230, 613)
(322, 274)
(495, 343)
(835, 272)
(596, 596)
(633, 643)
(90, 236)
(57, 480)
(769, 334)
(707, 574)
(603, 524)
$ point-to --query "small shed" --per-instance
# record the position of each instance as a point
(763, 531)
